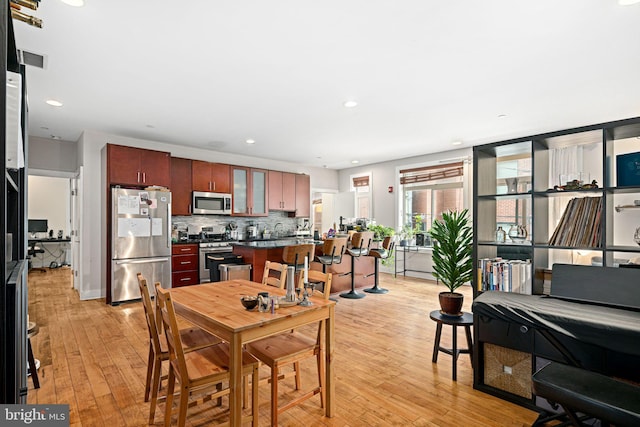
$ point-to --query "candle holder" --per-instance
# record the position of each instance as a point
(308, 291)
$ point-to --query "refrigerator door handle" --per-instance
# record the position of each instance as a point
(168, 225)
(141, 261)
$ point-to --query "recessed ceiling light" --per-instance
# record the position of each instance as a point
(350, 104)
(74, 3)
(502, 116)
(627, 2)
(44, 128)
(355, 162)
(55, 137)
(250, 141)
(456, 143)
(54, 103)
(150, 126)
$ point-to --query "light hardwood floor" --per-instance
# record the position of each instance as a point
(93, 357)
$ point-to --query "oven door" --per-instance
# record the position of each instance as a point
(204, 271)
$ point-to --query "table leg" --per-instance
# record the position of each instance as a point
(235, 381)
(436, 344)
(454, 352)
(469, 342)
(330, 384)
(32, 365)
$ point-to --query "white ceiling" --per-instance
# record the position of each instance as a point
(212, 73)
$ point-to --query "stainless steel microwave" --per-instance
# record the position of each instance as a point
(211, 203)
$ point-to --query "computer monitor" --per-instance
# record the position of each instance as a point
(38, 226)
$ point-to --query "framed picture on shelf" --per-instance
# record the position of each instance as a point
(628, 169)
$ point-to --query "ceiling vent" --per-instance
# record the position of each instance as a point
(33, 59)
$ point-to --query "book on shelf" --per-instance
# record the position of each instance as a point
(580, 224)
(497, 274)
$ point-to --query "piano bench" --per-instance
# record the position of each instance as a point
(590, 393)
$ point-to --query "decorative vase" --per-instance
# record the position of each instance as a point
(451, 303)
(518, 233)
(501, 235)
(512, 185)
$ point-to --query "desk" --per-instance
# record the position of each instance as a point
(216, 308)
(49, 255)
(426, 251)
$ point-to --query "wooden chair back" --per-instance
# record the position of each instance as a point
(335, 248)
(275, 274)
(170, 324)
(361, 242)
(315, 276)
(294, 254)
(150, 316)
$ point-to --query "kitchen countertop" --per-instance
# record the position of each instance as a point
(275, 243)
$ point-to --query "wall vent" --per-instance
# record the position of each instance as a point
(33, 59)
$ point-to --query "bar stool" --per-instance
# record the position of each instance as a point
(294, 255)
(360, 243)
(380, 253)
(332, 252)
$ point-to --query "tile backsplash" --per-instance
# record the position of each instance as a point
(285, 226)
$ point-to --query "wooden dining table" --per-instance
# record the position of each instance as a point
(216, 308)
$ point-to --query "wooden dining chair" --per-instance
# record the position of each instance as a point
(200, 370)
(292, 347)
(193, 337)
(275, 274)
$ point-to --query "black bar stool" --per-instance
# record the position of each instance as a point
(294, 255)
(332, 252)
(380, 253)
(360, 244)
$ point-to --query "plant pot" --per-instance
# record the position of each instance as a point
(451, 303)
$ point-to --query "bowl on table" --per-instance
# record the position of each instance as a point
(249, 302)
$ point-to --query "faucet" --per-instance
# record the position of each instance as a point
(275, 229)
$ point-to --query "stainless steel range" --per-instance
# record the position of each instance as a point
(213, 248)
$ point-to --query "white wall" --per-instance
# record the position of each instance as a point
(49, 199)
(51, 157)
(93, 233)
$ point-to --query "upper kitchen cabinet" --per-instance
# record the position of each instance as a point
(303, 196)
(282, 191)
(180, 186)
(249, 191)
(137, 166)
(210, 177)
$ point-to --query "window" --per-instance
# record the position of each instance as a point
(361, 185)
(429, 191)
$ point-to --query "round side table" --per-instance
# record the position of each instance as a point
(466, 320)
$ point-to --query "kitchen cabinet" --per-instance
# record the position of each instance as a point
(138, 166)
(210, 177)
(184, 265)
(282, 191)
(303, 196)
(250, 191)
(180, 186)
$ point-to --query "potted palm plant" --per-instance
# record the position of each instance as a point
(452, 261)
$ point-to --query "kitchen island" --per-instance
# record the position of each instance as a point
(257, 252)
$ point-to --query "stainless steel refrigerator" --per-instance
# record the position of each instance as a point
(140, 241)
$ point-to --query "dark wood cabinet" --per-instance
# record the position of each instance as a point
(250, 191)
(137, 166)
(184, 265)
(210, 177)
(180, 186)
(282, 191)
(303, 196)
